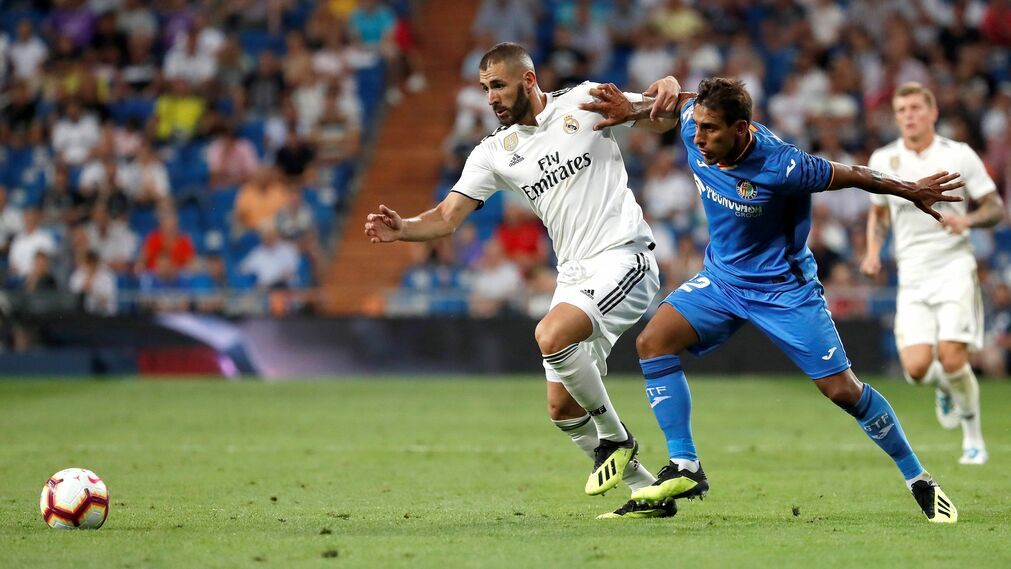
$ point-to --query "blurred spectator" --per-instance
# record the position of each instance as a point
(540, 291)
(309, 98)
(177, 113)
(136, 20)
(30, 241)
(264, 85)
(75, 134)
(467, 245)
(295, 157)
(187, 62)
(506, 20)
(146, 179)
(260, 199)
(338, 133)
(40, 278)
(60, 207)
(677, 21)
(28, 53)
(108, 38)
(996, 354)
(112, 240)
(73, 20)
(169, 242)
(669, 193)
(141, 69)
(230, 159)
(495, 282)
(521, 237)
(297, 58)
(996, 23)
(95, 285)
(686, 264)
(274, 262)
(11, 221)
(569, 62)
(20, 112)
(651, 60)
(103, 180)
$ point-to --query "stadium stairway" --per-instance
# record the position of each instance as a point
(404, 168)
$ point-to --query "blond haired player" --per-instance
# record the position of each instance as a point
(574, 179)
(939, 315)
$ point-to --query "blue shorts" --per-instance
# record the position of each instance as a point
(795, 319)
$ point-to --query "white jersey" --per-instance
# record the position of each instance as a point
(573, 177)
(923, 247)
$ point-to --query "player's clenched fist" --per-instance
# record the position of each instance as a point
(383, 227)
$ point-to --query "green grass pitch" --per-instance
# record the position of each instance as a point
(468, 472)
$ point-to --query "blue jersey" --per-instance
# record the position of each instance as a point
(759, 209)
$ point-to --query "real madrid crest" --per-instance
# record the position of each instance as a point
(510, 142)
(569, 124)
(747, 190)
(894, 162)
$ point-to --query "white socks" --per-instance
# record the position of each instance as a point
(933, 377)
(581, 378)
(584, 433)
(964, 390)
(686, 464)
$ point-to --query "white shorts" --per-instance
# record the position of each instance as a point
(614, 289)
(947, 309)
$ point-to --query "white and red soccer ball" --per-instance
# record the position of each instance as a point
(74, 498)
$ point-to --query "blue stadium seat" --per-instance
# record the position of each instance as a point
(240, 246)
(371, 89)
(489, 217)
(254, 131)
(255, 41)
(219, 209)
(143, 221)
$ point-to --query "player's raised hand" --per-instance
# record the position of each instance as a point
(383, 227)
(925, 192)
(610, 103)
(666, 92)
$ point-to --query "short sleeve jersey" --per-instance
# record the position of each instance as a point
(759, 209)
(923, 247)
(572, 177)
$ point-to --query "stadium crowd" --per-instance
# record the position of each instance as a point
(821, 73)
(155, 155)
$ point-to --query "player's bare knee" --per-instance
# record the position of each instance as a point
(844, 390)
(650, 344)
(916, 372)
(548, 338)
(953, 358)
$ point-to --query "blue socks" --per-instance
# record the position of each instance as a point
(667, 390)
(876, 416)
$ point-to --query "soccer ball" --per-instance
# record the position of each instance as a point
(74, 498)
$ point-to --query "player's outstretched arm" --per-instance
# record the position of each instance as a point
(658, 111)
(441, 221)
(878, 225)
(923, 193)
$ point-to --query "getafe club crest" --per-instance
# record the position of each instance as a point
(510, 142)
(569, 124)
(747, 190)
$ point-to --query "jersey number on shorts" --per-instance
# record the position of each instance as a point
(696, 283)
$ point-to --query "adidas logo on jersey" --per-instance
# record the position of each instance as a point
(516, 159)
(588, 292)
